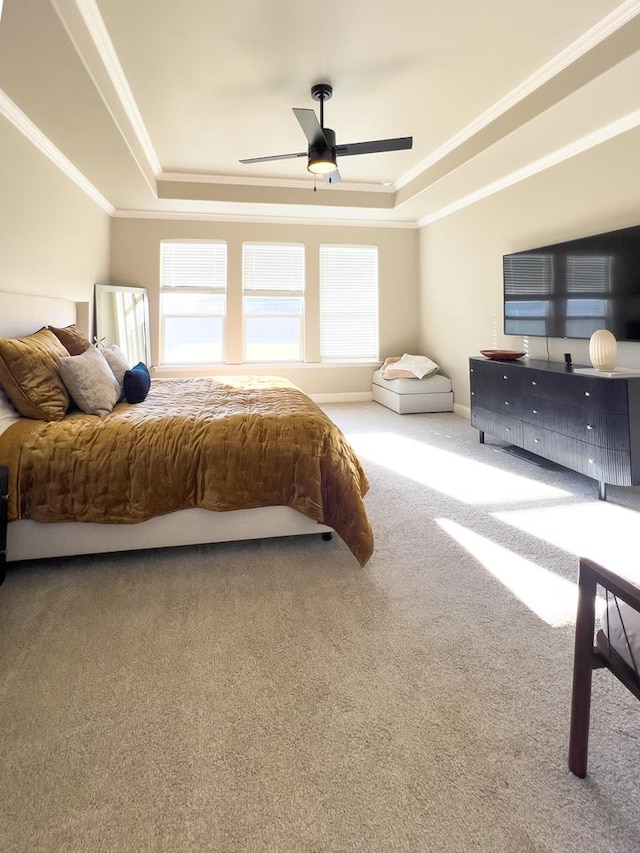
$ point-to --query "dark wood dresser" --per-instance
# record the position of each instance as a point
(588, 423)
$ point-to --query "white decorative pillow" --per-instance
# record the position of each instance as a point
(117, 361)
(416, 365)
(90, 382)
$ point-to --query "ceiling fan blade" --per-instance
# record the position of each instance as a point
(311, 127)
(375, 146)
(333, 177)
(275, 157)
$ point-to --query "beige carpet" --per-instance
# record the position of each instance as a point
(273, 696)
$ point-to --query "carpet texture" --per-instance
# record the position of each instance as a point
(274, 696)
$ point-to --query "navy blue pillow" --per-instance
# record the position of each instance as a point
(137, 382)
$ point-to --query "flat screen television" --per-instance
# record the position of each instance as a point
(568, 290)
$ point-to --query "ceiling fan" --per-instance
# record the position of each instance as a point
(322, 152)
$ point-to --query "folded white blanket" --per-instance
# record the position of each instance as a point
(418, 366)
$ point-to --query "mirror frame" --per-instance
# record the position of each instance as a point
(99, 325)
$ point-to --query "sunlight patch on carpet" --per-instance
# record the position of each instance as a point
(463, 479)
(552, 598)
(599, 530)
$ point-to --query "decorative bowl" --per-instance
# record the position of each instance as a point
(502, 354)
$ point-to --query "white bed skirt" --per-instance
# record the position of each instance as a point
(31, 540)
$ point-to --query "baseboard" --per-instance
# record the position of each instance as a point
(343, 397)
(365, 397)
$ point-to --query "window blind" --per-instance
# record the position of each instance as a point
(348, 303)
(193, 265)
(272, 267)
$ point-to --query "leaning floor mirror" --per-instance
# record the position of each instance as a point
(122, 318)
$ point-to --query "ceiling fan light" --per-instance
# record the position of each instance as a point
(323, 165)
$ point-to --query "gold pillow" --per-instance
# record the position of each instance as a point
(74, 341)
(29, 375)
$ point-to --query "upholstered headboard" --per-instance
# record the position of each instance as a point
(22, 313)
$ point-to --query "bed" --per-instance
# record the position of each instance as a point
(251, 458)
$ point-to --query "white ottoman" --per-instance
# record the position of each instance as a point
(410, 396)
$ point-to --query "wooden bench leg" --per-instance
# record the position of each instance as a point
(582, 674)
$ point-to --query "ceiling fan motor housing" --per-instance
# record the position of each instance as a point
(319, 152)
(321, 91)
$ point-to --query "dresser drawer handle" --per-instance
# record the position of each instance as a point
(473, 393)
(505, 376)
(533, 382)
(535, 411)
(591, 460)
(507, 429)
(537, 440)
(587, 393)
(589, 426)
(506, 402)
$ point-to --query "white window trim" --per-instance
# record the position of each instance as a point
(341, 359)
(275, 293)
(219, 290)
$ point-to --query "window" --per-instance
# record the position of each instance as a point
(193, 303)
(348, 303)
(273, 301)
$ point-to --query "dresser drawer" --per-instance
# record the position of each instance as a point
(497, 425)
(572, 389)
(494, 375)
(497, 400)
(593, 427)
(601, 463)
(495, 387)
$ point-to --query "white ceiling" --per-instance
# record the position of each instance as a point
(154, 102)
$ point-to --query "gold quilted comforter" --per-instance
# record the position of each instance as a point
(217, 443)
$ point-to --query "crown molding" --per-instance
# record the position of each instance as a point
(263, 220)
(294, 183)
(28, 129)
(578, 146)
(624, 13)
(97, 31)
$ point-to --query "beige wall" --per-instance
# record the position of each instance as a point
(135, 259)
(54, 240)
(461, 255)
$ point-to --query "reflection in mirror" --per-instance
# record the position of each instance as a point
(122, 318)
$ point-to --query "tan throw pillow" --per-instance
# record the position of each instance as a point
(29, 375)
(74, 341)
(90, 382)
